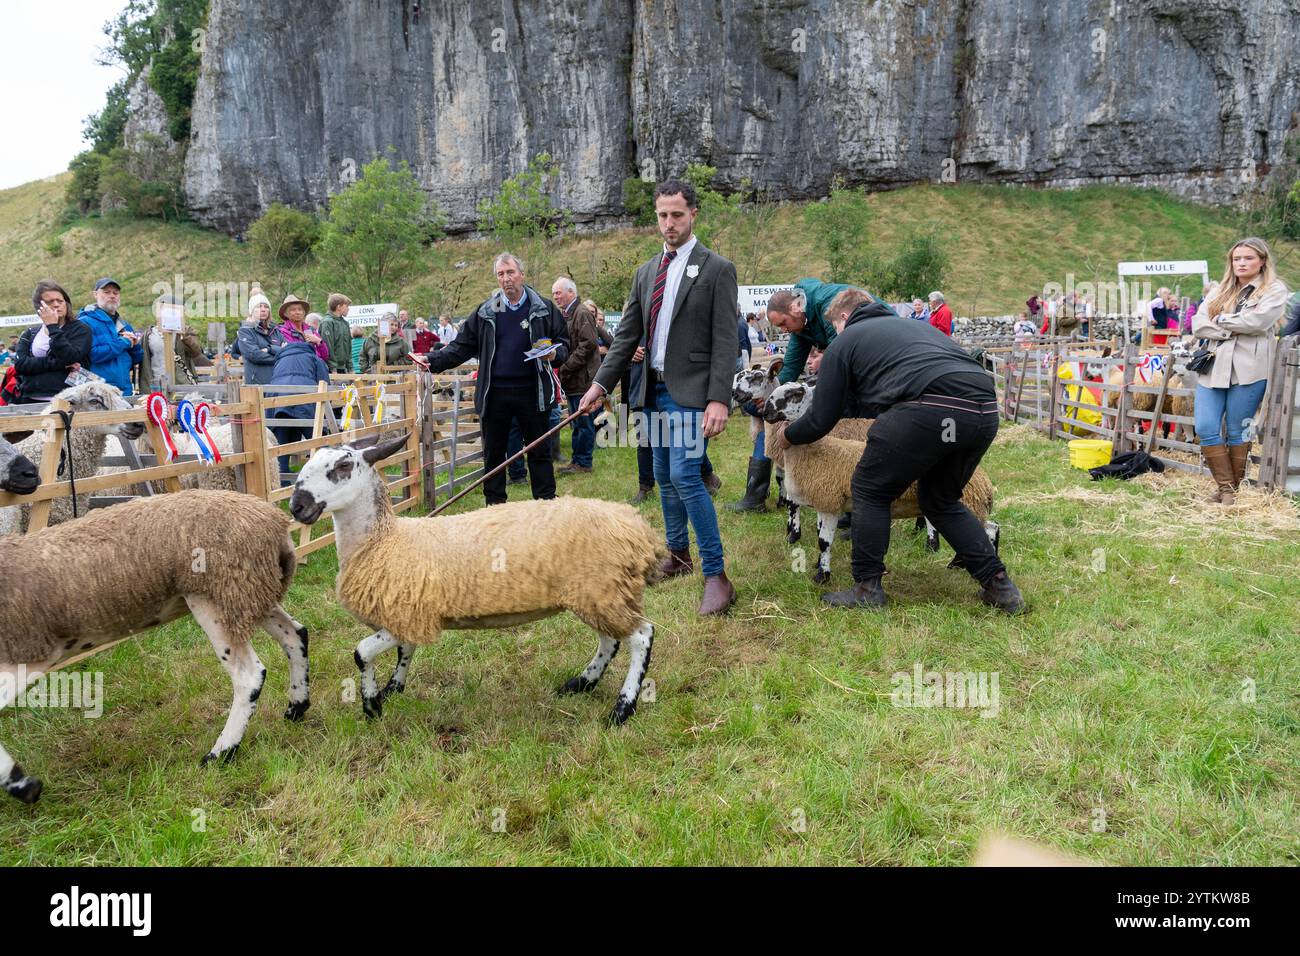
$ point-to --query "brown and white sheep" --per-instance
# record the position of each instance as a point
(413, 578)
(225, 558)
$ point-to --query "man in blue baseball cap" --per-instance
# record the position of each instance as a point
(115, 346)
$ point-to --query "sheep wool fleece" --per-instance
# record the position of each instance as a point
(411, 575)
(228, 547)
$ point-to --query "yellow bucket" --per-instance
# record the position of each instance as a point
(1088, 453)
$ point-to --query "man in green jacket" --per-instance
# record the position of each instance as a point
(802, 313)
(336, 332)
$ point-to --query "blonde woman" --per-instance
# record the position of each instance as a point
(1239, 319)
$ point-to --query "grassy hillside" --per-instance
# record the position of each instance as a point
(1004, 243)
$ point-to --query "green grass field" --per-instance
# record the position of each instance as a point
(1003, 244)
(1148, 713)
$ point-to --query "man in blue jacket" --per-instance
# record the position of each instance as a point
(114, 346)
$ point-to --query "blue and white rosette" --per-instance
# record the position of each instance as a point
(186, 417)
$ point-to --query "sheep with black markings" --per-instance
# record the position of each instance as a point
(18, 473)
(226, 558)
(819, 475)
(413, 578)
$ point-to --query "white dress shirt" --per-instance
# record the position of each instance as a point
(672, 282)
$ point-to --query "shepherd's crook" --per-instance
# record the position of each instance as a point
(523, 451)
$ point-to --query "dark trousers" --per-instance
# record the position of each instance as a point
(935, 442)
(504, 406)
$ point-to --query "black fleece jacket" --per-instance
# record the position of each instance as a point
(878, 361)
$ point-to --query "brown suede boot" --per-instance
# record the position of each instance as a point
(1216, 458)
(676, 564)
(1239, 455)
(719, 595)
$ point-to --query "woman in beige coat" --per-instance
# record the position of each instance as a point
(1239, 319)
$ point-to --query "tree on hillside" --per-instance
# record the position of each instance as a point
(840, 227)
(371, 242)
(523, 209)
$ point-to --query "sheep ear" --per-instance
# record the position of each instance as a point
(774, 369)
(384, 449)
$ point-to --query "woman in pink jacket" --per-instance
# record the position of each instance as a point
(293, 313)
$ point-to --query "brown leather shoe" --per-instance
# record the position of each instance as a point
(572, 469)
(676, 564)
(719, 595)
(1239, 456)
(1216, 459)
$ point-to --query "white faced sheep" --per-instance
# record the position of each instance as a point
(225, 558)
(87, 443)
(820, 475)
(18, 474)
(412, 578)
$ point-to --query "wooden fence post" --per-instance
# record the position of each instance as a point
(1122, 406)
(428, 461)
(39, 516)
(253, 436)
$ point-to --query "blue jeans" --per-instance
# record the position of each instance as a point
(677, 463)
(584, 434)
(1236, 403)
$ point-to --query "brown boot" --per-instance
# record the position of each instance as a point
(1216, 458)
(676, 564)
(718, 595)
(1239, 455)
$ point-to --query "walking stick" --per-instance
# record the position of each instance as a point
(523, 451)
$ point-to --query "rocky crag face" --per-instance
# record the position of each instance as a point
(1196, 96)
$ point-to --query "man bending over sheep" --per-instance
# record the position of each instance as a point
(935, 416)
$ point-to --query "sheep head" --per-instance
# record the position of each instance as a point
(335, 478)
(99, 396)
(17, 473)
(787, 402)
(751, 384)
(1180, 353)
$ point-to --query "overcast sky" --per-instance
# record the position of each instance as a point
(50, 81)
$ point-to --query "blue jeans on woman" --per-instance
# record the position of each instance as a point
(1236, 403)
(678, 445)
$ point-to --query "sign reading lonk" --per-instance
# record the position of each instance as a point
(369, 315)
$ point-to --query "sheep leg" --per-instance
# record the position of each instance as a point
(247, 675)
(792, 523)
(639, 643)
(781, 500)
(826, 524)
(15, 781)
(594, 671)
(397, 683)
(372, 702)
(292, 638)
(931, 536)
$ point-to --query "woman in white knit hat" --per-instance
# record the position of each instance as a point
(259, 341)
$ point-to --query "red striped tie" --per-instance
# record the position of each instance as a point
(657, 299)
